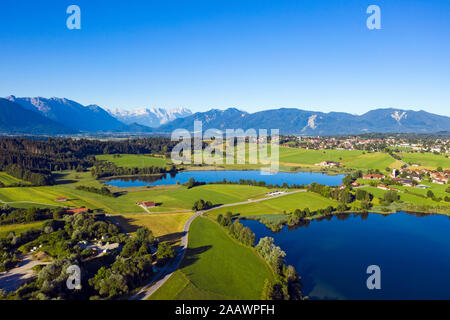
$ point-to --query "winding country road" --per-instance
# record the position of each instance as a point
(164, 274)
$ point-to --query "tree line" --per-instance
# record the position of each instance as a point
(103, 169)
(34, 159)
(236, 229)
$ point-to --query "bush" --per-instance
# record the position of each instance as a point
(201, 204)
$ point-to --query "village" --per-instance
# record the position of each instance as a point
(367, 143)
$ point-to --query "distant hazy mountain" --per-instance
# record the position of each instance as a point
(301, 122)
(133, 128)
(151, 117)
(15, 119)
(71, 114)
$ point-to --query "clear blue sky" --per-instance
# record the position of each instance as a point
(254, 55)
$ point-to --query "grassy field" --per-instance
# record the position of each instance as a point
(437, 189)
(19, 228)
(165, 226)
(8, 180)
(134, 160)
(426, 160)
(169, 198)
(289, 158)
(349, 158)
(406, 197)
(215, 267)
(287, 203)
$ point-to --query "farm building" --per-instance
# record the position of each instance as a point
(328, 164)
(73, 211)
(147, 204)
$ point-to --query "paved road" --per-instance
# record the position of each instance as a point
(164, 274)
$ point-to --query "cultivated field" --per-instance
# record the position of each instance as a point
(8, 180)
(165, 226)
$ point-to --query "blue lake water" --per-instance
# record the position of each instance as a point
(332, 256)
(213, 176)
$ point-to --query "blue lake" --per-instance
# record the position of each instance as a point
(332, 255)
(213, 176)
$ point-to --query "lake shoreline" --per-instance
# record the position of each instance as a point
(332, 255)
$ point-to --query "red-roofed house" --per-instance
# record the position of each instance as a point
(146, 204)
(73, 211)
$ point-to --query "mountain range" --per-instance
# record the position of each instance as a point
(310, 123)
(91, 118)
(14, 119)
(63, 116)
(150, 117)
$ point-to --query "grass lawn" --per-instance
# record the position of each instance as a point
(426, 160)
(134, 160)
(215, 267)
(287, 203)
(349, 158)
(19, 228)
(165, 226)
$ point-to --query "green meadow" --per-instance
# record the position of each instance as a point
(405, 197)
(215, 267)
(426, 160)
(349, 158)
(134, 160)
(289, 158)
(169, 198)
(8, 180)
(19, 228)
(288, 203)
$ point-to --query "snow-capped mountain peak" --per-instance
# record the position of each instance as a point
(151, 117)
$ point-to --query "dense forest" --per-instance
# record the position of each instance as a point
(33, 160)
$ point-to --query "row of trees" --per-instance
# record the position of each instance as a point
(287, 283)
(104, 191)
(103, 169)
(37, 178)
(10, 215)
(344, 195)
(236, 229)
(256, 183)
